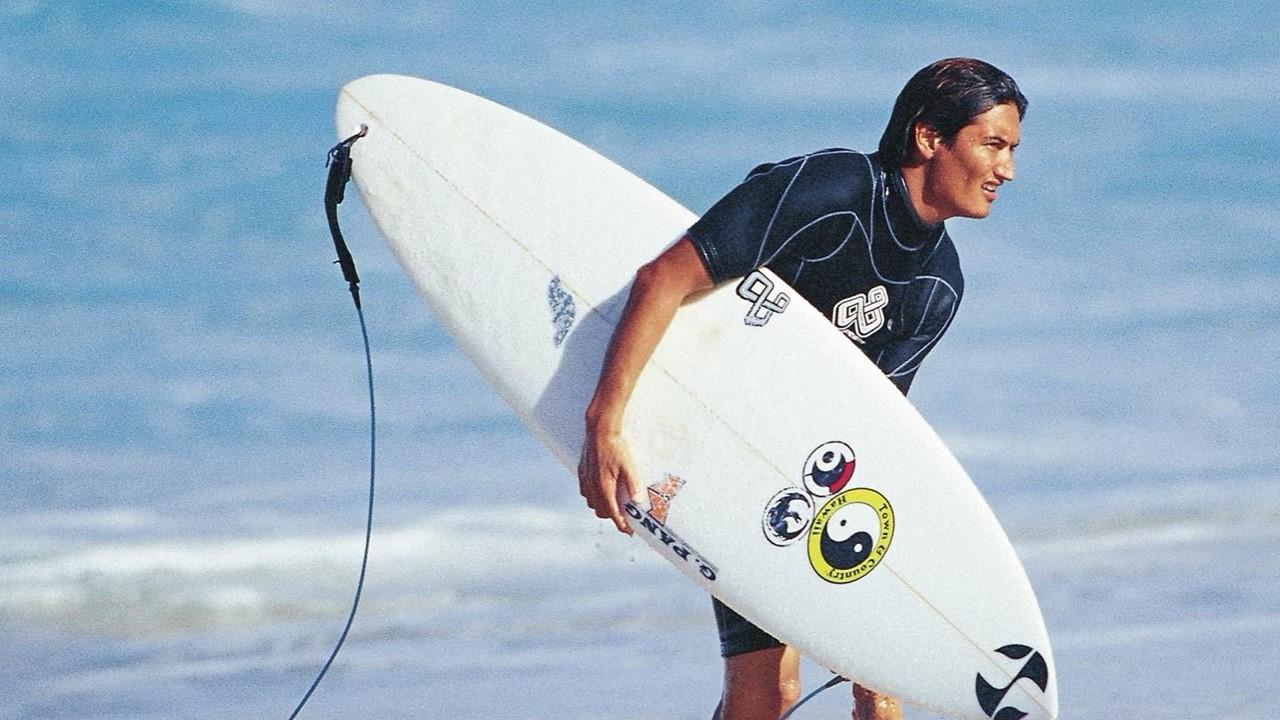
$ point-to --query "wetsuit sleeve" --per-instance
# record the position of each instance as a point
(730, 236)
(781, 214)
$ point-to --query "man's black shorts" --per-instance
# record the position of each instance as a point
(737, 634)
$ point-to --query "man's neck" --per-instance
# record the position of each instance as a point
(913, 177)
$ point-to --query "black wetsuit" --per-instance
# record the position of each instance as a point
(841, 230)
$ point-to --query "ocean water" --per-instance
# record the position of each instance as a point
(183, 428)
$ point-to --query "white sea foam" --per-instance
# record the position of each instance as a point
(180, 585)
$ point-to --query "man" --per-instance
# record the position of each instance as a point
(849, 232)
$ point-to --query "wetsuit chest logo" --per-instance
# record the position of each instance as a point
(861, 315)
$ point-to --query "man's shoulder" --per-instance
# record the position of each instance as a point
(833, 180)
(823, 163)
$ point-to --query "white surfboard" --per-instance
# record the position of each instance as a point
(785, 474)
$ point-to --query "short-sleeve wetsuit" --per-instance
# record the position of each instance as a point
(840, 229)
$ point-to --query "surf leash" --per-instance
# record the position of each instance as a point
(830, 684)
(339, 164)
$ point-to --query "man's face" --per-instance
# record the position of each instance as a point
(963, 176)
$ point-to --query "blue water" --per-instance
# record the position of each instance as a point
(182, 445)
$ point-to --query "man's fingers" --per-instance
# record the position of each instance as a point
(586, 471)
(624, 492)
(613, 500)
(604, 480)
(615, 514)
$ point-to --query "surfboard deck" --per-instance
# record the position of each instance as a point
(784, 473)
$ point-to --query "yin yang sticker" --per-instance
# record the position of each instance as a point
(850, 535)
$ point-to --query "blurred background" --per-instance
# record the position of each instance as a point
(183, 421)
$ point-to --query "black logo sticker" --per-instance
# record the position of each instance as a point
(1034, 669)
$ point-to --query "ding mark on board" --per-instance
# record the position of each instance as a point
(755, 288)
(563, 309)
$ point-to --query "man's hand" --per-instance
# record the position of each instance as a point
(605, 476)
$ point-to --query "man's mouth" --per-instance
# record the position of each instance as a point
(989, 190)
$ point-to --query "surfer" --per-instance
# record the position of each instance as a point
(862, 239)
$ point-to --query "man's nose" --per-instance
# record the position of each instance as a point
(1004, 169)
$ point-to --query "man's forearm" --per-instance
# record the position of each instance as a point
(659, 289)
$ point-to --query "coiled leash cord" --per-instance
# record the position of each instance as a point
(339, 163)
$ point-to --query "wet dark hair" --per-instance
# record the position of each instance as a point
(946, 96)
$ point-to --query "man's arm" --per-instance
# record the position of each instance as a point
(605, 474)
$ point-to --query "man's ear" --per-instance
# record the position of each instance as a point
(925, 141)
